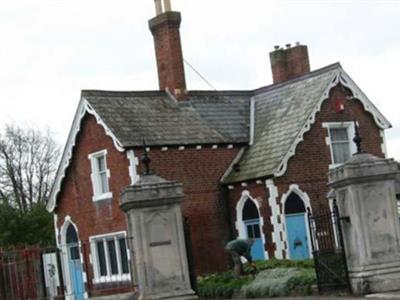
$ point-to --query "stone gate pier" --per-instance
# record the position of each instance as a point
(160, 264)
(365, 194)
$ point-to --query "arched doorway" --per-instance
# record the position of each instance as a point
(74, 263)
(251, 220)
(296, 229)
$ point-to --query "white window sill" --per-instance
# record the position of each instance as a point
(101, 197)
(113, 278)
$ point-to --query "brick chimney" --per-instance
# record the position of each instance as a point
(167, 43)
(289, 63)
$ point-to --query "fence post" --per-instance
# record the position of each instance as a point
(310, 227)
(60, 272)
(42, 277)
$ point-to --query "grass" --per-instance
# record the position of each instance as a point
(272, 278)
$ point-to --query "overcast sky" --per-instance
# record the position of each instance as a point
(51, 49)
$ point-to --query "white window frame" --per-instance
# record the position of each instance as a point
(98, 278)
(350, 132)
(95, 177)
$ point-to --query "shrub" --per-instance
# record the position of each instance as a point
(220, 285)
(280, 282)
(223, 285)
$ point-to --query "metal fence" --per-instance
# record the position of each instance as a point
(75, 270)
(78, 270)
(328, 250)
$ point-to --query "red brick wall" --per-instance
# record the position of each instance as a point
(75, 198)
(198, 170)
(168, 48)
(309, 167)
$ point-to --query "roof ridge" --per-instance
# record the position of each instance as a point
(299, 78)
(250, 92)
(92, 93)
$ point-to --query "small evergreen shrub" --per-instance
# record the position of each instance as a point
(280, 282)
(222, 285)
(272, 277)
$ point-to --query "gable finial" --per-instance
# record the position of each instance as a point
(146, 159)
(162, 6)
(357, 138)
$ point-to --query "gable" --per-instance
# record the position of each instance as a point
(284, 113)
(84, 108)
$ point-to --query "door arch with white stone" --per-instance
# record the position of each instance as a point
(249, 224)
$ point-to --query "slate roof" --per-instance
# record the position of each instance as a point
(281, 111)
(205, 118)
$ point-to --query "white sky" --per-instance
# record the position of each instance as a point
(51, 49)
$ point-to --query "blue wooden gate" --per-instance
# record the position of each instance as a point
(253, 231)
(297, 236)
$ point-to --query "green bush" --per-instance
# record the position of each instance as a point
(280, 282)
(281, 263)
(223, 285)
(34, 227)
(220, 285)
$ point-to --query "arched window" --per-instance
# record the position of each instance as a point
(72, 242)
(250, 210)
(294, 204)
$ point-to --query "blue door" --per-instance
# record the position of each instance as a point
(74, 264)
(297, 236)
(253, 231)
(75, 269)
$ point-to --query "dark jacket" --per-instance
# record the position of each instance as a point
(242, 247)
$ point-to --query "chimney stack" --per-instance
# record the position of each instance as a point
(167, 43)
(289, 63)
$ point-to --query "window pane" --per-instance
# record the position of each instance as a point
(124, 256)
(250, 233)
(104, 182)
(74, 252)
(339, 134)
(341, 152)
(101, 163)
(101, 258)
(113, 257)
(257, 231)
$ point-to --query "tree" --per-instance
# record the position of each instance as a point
(28, 162)
(34, 227)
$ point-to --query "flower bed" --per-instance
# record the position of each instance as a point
(272, 278)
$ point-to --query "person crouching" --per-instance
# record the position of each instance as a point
(238, 248)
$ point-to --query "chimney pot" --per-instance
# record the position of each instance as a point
(158, 7)
(288, 46)
(297, 43)
(276, 47)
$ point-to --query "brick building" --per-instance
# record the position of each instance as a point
(251, 162)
